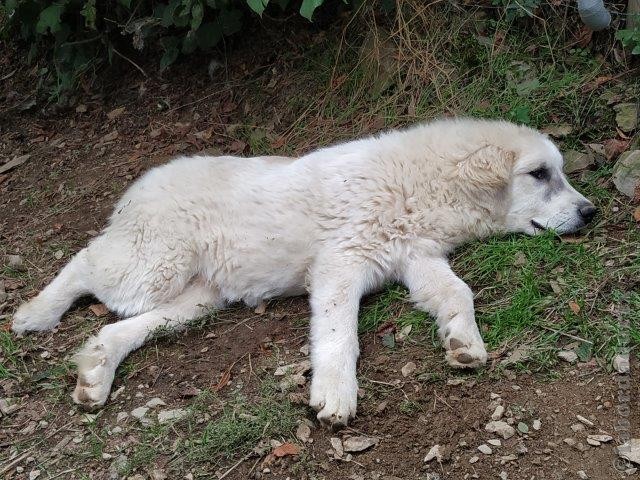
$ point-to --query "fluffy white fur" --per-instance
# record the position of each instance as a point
(202, 232)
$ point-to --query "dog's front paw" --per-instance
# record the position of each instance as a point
(95, 376)
(335, 397)
(33, 316)
(471, 354)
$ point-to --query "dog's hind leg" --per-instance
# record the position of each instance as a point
(100, 356)
(44, 311)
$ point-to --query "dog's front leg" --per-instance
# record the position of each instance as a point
(336, 288)
(437, 290)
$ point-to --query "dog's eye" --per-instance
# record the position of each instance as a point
(541, 173)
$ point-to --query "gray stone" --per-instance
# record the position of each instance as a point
(575, 161)
(568, 356)
(627, 116)
(621, 363)
(630, 450)
(626, 173)
(359, 443)
(172, 415)
(501, 428)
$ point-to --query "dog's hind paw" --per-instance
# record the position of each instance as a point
(34, 317)
(95, 376)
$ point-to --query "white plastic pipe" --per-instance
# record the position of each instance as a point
(594, 14)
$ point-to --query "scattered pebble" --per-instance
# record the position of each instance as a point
(486, 449)
(408, 369)
(568, 356)
(577, 427)
(537, 424)
(495, 442)
(501, 428)
(336, 444)
(359, 443)
(303, 432)
(33, 474)
(503, 475)
(582, 475)
(600, 438)
(434, 452)
(587, 422)
(497, 413)
(155, 402)
(174, 415)
(474, 459)
(621, 363)
(139, 412)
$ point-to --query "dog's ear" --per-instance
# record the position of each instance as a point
(488, 168)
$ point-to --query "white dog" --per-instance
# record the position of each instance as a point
(202, 232)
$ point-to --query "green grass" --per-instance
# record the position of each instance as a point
(524, 288)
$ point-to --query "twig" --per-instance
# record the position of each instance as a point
(238, 463)
(566, 334)
(63, 473)
(130, 61)
(17, 460)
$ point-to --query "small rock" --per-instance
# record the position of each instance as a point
(495, 442)
(8, 405)
(174, 415)
(139, 412)
(434, 452)
(106, 456)
(486, 449)
(626, 173)
(15, 262)
(303, 432)
(336, 444)
(577, 427)
(503, 475)
(497, 413)
(575, 161)
(122, 416)
(359, 443)
(501, 428)
(155, 402)
(537, 424)
(626, 116)
(58, 254)
(600, 438)
(33, 474)
(569, 441)
(304, 350)
(408, 369)
(587, 422)
(474, 459)
(293, 369)
(581, 474)
(158, 474)
(592, 442)
(621, 363)
(568, 356)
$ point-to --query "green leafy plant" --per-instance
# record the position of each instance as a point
(75, 37)
(630, 38)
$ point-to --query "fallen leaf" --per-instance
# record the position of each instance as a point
(614, 147)
(278, 142)
(386, 328)
(99, 309)
(286, 449)
(226, 376)
(237, 146)
(16, 162)
(575, 308)
(115, 113)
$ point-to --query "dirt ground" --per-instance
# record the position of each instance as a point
(80, 159)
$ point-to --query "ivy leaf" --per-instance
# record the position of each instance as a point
(208, 35)
(50, 19)
(308, 7)
(231, 21)
(89, 13)
(197, 13)
(258, 6)
(171, 51)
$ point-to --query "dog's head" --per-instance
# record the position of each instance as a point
(540, 197)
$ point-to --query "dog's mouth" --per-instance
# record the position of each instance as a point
(537, 226)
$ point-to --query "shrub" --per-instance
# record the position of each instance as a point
(76, 36)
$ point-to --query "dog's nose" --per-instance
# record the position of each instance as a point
(587, 212)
